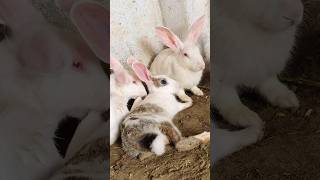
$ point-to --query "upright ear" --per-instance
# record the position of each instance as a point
(169, 38)
(121, 75)
(115, 65)
(196, 29)
(92, 20)
(141, 71)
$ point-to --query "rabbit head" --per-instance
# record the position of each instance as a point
(271, 15)
(187, 52)
(156, 84)
(122, 82)
(63, 73)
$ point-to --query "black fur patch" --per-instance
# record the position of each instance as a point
(106, 115)
(147, 140)
(64, 133)
(130, 103)
(178, 99)
(4, 31)
(145, 87)
(106, 68)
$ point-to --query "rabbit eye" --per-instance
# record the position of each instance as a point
(77, 65)
(185, 54)
(163, 82)
(134, 82)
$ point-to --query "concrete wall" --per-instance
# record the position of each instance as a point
(133, 23)
(132, 28)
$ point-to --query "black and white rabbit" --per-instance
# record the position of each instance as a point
(149, 124)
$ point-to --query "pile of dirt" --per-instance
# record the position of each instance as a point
(194, 164)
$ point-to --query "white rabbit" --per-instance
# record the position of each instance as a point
(149, 124)
(60, 76)
(122, 87)
(252, 43)
(182, 61)
(90, 18)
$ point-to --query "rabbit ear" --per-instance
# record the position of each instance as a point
(115, 65)
(121, 75)
(92, 20)
(196, 29)
(169, 38)
(65, 5)
(141, 71)
(131, 60)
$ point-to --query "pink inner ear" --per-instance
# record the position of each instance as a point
(141, 71)
(196, 29)
(115, 65)
(169, 38)
(92, 20)
(122, 77)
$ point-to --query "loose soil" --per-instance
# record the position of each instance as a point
(193, 165)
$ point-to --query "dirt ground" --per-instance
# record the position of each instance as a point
(291, 145)
(194, 164)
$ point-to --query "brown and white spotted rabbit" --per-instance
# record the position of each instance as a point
(149, 124)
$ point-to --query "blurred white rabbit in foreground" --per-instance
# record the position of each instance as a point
(54, 75)
(252, 43)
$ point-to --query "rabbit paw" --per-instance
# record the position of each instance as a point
(285, 99)
(252, 135)
(279, 95)
(183, 96)
(242, 116)
(196, 91)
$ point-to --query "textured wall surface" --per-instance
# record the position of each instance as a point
(133, 23)
(132, 28)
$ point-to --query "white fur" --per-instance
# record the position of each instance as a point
(158, 146)
(179, 16)
(119, 98)
(252, 44)
(182, 61)
(166, 63)
(156, 96)
(44, 87)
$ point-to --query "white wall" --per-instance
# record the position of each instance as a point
(133, 23)
(132, 28)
